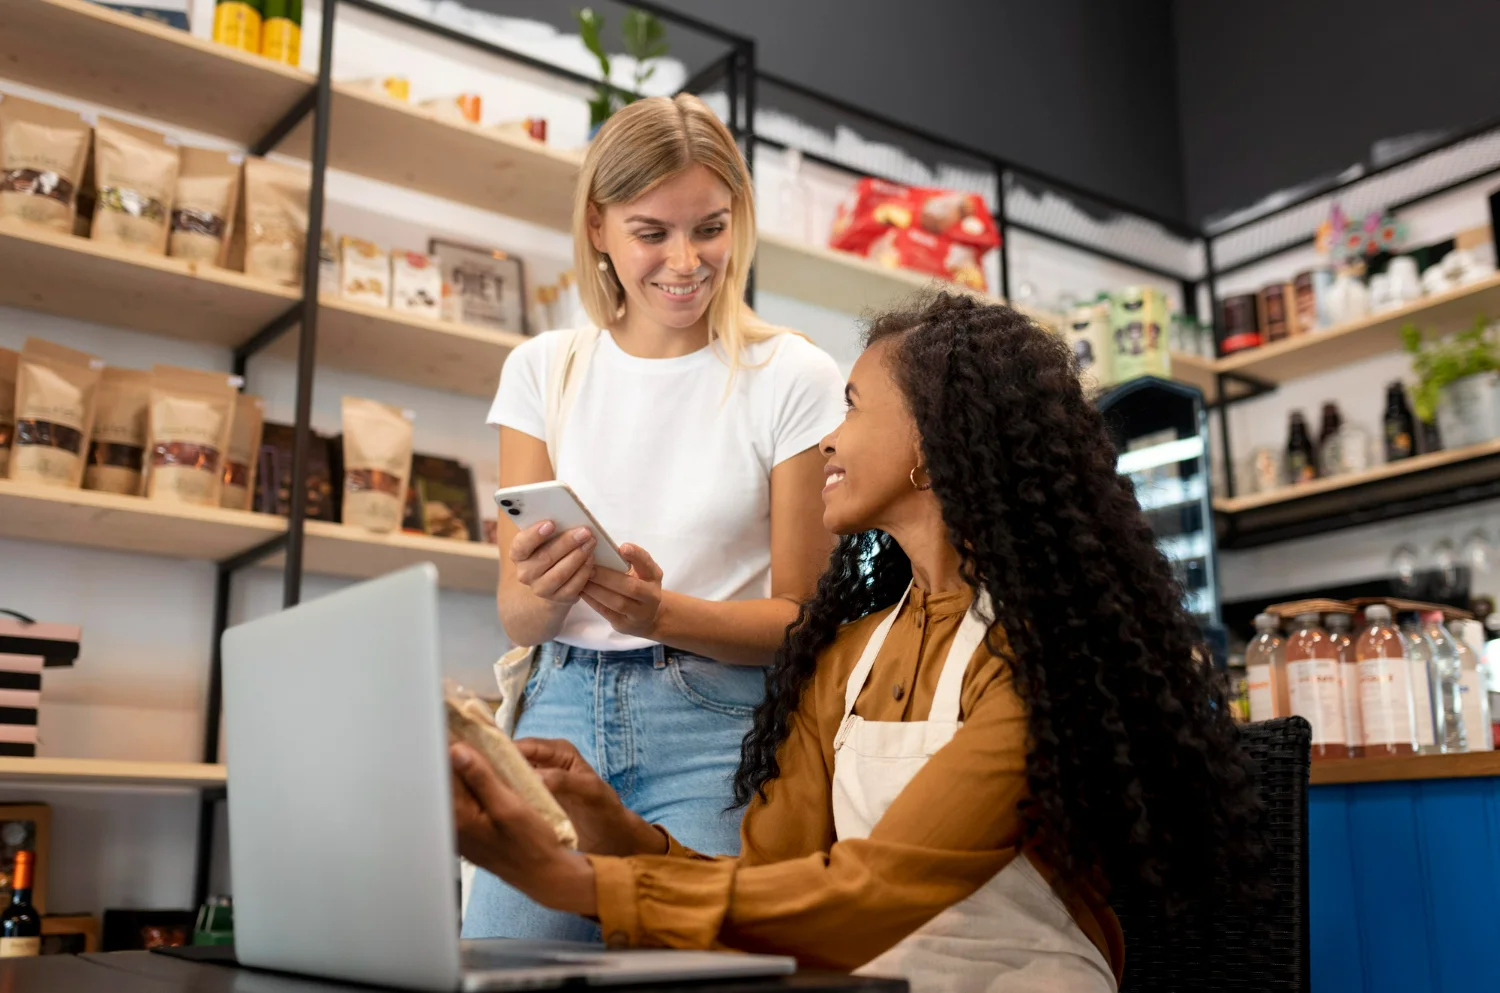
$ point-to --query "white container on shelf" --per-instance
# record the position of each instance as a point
(1468, 410)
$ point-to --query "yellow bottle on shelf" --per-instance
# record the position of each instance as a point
(237, 23)
(281, 35)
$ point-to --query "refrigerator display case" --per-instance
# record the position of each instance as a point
(1160, 429)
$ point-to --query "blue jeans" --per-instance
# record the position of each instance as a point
(662, 727)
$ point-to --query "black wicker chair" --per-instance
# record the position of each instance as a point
(1227, 947)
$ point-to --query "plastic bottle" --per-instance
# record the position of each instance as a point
(1338, 626)
(1265, 671)
(1385, 696)
(1419, 651)
(1312, 675)
(1447, 691)
(1474, 680)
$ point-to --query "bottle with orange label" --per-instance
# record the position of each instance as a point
(1312, 675)
(237, 23)
(20, 924)
(1265, 671)
(281, 34)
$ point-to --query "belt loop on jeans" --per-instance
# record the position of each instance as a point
(560, 654)
(658, 656)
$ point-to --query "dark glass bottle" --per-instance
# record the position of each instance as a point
(20, 924)
(1301, 459)
(1330, 460)
(1400, 425)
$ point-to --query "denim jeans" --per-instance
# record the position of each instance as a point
(662, 727)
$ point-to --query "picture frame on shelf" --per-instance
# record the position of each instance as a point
(482, 287)
(25, 827)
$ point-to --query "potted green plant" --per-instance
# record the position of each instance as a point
(645, 40)
(1457, 383)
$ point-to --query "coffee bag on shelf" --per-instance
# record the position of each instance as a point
(203, 208)
(8, 361)
(275, 220)
(192, 416)
(56, 389)
(273, 473)
(377, 464)
(135, 171)
(43, 150)
(117, 446)
(364, 272)
(440, 499)
(244, 449)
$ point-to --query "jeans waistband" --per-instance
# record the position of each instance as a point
(559, 654)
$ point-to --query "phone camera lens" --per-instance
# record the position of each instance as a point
(507, 503)
(514, 512)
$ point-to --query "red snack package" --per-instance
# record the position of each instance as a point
(875, 207)
(915, 249)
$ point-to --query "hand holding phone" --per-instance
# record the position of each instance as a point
(554, 501)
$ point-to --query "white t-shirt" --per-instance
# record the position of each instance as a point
(666, 459)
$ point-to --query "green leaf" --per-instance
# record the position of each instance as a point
(1440, 363)
(645, 36)
(591, 30)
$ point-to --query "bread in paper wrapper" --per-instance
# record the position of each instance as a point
(472, 722)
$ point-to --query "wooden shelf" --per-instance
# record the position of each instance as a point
(108, 772)
(375, 341)
(76, 277)
(1390, 470)
(837, 280)
(1466, 765)
(337, 550)
(1319, 351)
(130, 524)
(127, 62)
(1198, 372)
(386, 140)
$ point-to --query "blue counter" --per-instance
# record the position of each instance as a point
(1404, 875)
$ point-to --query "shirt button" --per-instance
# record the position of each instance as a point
(897, 692)
(617, 939)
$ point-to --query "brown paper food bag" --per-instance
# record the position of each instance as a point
(117, 446)
(244, 452)
(189, 425)
(56, 388)
(203, 209)
(472, 722)
(8, 361)
(42, 154)
(136, 175)
(377, 464)
(275, 220)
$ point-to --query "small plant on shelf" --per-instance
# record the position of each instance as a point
(645, 40)
(1441, 363)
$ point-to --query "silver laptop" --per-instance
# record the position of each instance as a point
(340, 816)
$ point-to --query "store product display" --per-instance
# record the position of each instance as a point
(191, 419)
(364, 272)
(440, 499)
(240, 460)
(273, 473)
(237, 23)
(1301, 457)
(464, 108)
(416, 285)
(135, 172)
(172, 13)
(275, 220)
(461, 108)
(1386, 705)
(56, 392)
(43, 151)
(943, 233)
(377, 447)
(1339, 624)
(204, 205)
(1420, 655)
(281, 31)
(1138, 325)
(1399, 424)
(1313, 685)
(482, 287)
(117, 444)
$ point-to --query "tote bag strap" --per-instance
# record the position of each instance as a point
(570, 364)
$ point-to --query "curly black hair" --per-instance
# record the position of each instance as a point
(1136, 779)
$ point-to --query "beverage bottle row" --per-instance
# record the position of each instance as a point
(1396, 689)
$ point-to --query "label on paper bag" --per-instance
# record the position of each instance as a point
(1385, 701)
(1313, 685)
(1258, 685)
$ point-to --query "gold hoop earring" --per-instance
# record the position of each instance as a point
(913, 477)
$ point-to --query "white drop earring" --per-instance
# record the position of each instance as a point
(604, 265)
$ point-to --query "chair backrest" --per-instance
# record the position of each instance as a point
(1260, 947)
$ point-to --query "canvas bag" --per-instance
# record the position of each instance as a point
(570, 364)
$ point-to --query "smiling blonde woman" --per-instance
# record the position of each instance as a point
(691, 434)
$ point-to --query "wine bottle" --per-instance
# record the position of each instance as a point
(1400, 426)
(20, 924)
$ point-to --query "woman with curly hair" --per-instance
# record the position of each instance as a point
(990, 717)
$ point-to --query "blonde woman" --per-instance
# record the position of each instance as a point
(692, 438)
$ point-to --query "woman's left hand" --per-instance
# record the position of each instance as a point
(500, 832)
(630, 601)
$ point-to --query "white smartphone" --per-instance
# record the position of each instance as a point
(556, 502)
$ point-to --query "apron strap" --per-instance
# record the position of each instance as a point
(950, 685)
(861, 673)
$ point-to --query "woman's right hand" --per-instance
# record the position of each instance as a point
(605, 826)
(555, 567)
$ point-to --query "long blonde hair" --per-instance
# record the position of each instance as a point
(642, 145)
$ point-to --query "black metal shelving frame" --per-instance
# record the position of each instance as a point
(737, 73)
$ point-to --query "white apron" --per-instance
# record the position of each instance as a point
(1013, 935)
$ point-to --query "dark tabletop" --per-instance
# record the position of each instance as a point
(142, 972)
